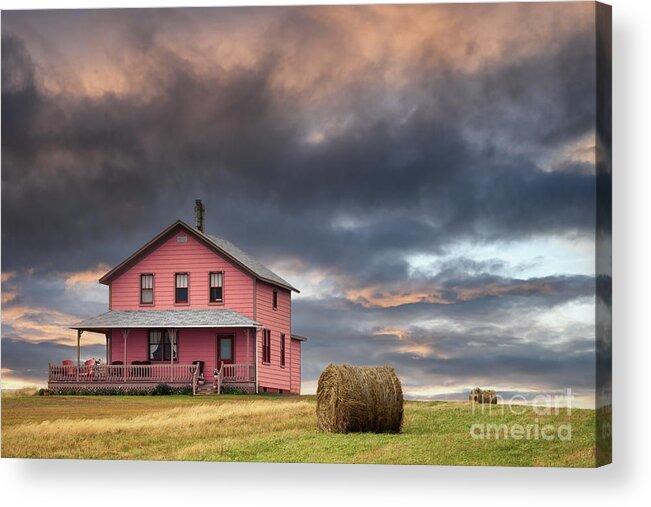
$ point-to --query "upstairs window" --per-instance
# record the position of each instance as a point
(217, 287)
(282, 350)
(266, 346)
(181, 288)
(275, 300)
(147, 289)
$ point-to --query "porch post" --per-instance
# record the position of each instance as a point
(255, 350)
(79, 331)
(125, 333)
(172, 335)
(107, 348)
(248, 356)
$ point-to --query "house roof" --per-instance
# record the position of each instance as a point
(221, 317)
(260, 270)
(299, 338)
(221, 245)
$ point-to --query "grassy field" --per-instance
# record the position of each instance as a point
(276, 429)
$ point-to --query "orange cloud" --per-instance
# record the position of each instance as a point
(7, 275)
(391, 330)
(416, 349)
(8, 290)
(87, 276)
(381, 297)
(36, 324)
(315, 51)
(436, 293)
(8, 296)
(406, 344)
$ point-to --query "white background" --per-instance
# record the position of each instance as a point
(627, 481)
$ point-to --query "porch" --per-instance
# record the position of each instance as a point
(206, 350)
(142, 377)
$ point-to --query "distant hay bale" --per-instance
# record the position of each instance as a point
(489, 396)
(485, 396)
(475, 395)
(359, 399)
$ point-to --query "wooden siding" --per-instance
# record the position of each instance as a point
(137, 343)
(295, 366)
(198, 261)
(273, 376)
(196, 344)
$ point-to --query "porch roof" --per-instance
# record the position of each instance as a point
(221, 317)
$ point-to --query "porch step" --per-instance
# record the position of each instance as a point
(204, 390)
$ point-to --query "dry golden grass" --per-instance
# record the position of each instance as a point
(265, 428)
(182, 421)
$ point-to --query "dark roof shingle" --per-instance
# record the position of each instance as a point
(260, 270)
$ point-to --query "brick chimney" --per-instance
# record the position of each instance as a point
(199, 215)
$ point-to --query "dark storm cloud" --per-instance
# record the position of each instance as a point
(85, 170)
(540, 296)
(491, 349)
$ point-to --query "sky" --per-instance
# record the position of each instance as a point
(424, 174)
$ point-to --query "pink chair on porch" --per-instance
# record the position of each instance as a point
(69, 370)
(88, 370)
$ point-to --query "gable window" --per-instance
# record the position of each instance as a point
(160, 346)
(181, 288)
(266, 346)
(217, 287)
(275, 300)
(282, 350)
(147, 289)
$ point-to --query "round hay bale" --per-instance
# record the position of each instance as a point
(483, 396)
(475, 395)
(359, 399)
(489, 396)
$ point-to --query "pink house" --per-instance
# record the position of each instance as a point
(191, 310)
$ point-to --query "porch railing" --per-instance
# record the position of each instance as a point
(123, 373)
(238, 372)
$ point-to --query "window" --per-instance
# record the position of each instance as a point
(160, 346)
(282, 350)
(181, 288)
(147, 289)
(275, 299)
(266, 346)
(217, 287)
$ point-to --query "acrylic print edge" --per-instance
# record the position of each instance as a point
(603, 240)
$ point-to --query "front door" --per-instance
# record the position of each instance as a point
(225, 349)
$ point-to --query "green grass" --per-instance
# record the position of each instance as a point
(275, 429)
